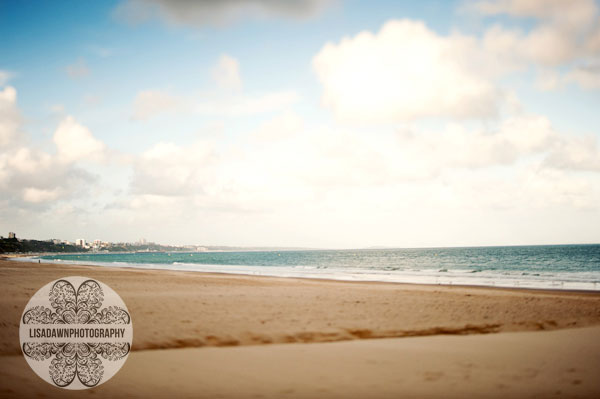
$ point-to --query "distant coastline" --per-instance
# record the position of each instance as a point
(16, 245)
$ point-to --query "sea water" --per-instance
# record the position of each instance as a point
(555, 266)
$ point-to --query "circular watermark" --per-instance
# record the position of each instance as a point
(76, 332)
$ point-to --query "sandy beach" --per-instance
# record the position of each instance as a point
(215, 335)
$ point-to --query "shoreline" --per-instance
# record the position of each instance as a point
(323, 279)
(147, 266)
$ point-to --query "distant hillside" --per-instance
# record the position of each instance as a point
(12, 245)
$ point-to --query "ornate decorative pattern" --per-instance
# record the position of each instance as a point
(76, 360)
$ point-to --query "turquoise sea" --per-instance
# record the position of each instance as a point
(555, 266)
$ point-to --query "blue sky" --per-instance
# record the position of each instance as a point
(325, 124)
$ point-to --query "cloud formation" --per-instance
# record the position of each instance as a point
(170, 170)
(228, 100)
(75, 142)
(30, 176)
(227, 73)
(9, 116)
(405, 71)
(150, 103)
(5, 76)
(566, 34)
(33, 177)
(243, 104)
(574, 13)
(215, 12)
(586, 76)
(285, 161)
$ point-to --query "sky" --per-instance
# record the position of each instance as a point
(305, 123)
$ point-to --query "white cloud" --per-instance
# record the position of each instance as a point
(32, 177)
(285, 160)
(229, 101)
(36, 195)
(215, 12)
(289, 173)
(149, 103)
(346, 158)
(586, 76)
(78, 70)
(57, 109)
(577, 153)
(593, 40)
(28, 161)
(280, 127)
(405, 71)
(5, 76)
(327, 158)
(545, 46)
(29, 176)
(9, 116)
(572, 13)
(564, 189)
(227, 73)
(75, 142)
(171, 170)
(566, 34)
(548, 79)
(239, 105)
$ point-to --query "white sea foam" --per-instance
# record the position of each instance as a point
(563, 281)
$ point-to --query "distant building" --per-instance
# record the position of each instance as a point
(12, 235)
(80, 242)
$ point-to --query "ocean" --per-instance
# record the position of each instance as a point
(555, 266)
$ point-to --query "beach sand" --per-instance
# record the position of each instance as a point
(216, 335)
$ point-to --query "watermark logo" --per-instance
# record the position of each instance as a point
(76, 333)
